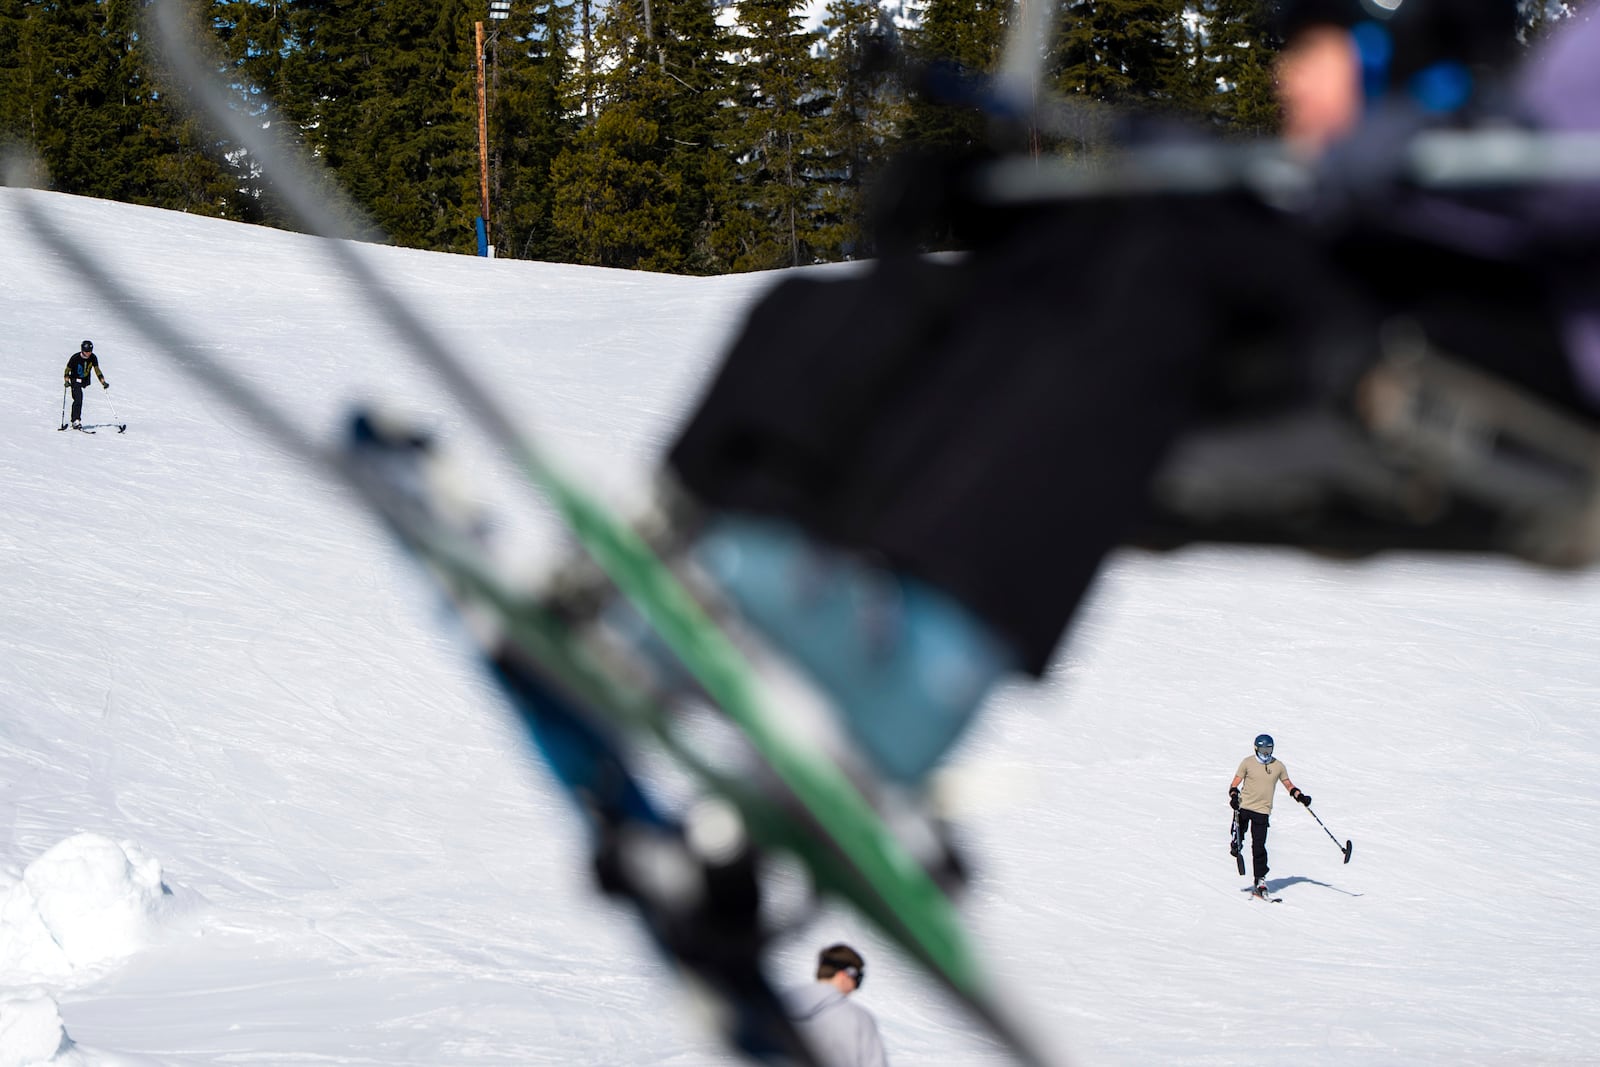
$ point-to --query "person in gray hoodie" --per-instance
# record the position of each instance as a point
(840, 1032)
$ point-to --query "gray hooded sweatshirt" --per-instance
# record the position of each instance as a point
(841, 1033)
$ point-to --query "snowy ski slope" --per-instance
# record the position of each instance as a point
(256, 805)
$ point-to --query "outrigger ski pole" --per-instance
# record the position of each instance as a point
(63, 425)
(1345, 848)
(122, 427)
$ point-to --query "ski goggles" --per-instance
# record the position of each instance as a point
(1262, 750)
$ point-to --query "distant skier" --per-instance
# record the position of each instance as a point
(840, 1032)
(79, 366)
(1250, 795)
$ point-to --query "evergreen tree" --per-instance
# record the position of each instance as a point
(411, 160)
(1235, 66)
(1129, 53)
(534, 97)
(868, 108)
(778, 98)
(383, 93)
(963, 38)
(639, 186)
(255, 42)
(80, 88)
(616, 198)
(21, 101)
(297, 66)
(691, 47)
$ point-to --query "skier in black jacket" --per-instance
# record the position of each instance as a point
(79, 366)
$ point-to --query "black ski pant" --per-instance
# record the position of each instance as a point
(990, 424)
(1255, 822)
(77, 401)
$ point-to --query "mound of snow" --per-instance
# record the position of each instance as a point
(31, 1031)
(88, 901)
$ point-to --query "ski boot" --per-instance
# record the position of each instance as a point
(1261, 892)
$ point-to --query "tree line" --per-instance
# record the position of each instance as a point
(692, 136)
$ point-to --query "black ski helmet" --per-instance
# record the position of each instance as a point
(87, 346)
(1264, 746)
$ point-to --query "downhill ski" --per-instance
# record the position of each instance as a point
(692, 882)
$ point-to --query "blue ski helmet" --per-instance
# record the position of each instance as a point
(1264, 747)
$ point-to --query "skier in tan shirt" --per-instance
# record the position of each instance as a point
(1250, 795)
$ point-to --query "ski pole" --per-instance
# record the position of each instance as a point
(115, 417)
(63, 407)
(1345, 848)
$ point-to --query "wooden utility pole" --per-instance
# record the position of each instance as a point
(483, 131)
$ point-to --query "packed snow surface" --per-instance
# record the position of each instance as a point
(258, 804)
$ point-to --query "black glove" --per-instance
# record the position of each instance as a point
(1304, 798)
(1233, 798)
(104, 384)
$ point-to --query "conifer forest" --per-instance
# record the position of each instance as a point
(687, 136)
